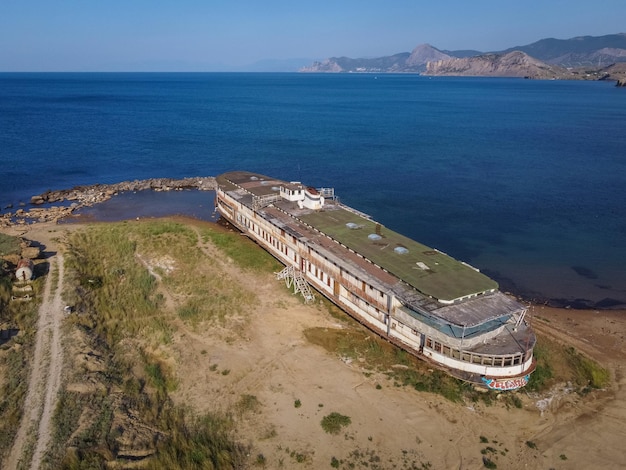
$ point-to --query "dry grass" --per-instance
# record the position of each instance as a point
(9, 245)
(133, 286)
(15, 359)
(123, 275)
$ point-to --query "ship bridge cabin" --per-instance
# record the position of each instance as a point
(418, 297)
(304, 196)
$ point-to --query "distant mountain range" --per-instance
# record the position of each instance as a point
(584, 57)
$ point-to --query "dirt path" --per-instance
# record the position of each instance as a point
(34, 433)
(295, 384)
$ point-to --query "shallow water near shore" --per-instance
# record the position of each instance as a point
(523, 179)
(150, 204)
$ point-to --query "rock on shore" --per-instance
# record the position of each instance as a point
(83, 196)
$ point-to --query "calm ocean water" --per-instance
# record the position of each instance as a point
(523, 179)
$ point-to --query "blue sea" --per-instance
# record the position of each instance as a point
(523, 179)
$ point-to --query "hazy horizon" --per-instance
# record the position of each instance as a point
(40, 36)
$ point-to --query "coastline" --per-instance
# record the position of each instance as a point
(554, 421)
(60, 206)
(599, 333)
(52, 206)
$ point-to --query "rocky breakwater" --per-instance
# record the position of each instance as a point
(84, 196)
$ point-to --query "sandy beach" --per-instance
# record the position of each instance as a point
(391, 427)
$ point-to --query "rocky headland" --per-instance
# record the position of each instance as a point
(43, 209)
(579, 58)
(512, 64)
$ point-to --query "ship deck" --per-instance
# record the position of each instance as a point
(428, 270)
(418, 274)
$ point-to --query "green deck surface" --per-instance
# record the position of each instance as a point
(445, 278)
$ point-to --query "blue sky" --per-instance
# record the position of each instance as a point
(138, 35)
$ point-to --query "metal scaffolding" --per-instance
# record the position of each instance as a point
(295, 277)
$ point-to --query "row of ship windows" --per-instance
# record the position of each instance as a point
(496, 361)
(482, 359)
(284, 249)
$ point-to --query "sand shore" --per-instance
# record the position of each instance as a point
(394, 427)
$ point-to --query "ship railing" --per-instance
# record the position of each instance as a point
(294, 277)
(354, 211)
(258, 202)
(327, 193)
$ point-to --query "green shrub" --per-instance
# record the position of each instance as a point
(333, 422)
(588, 372)
(543, 372)
(488, 463)
(247, 404)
